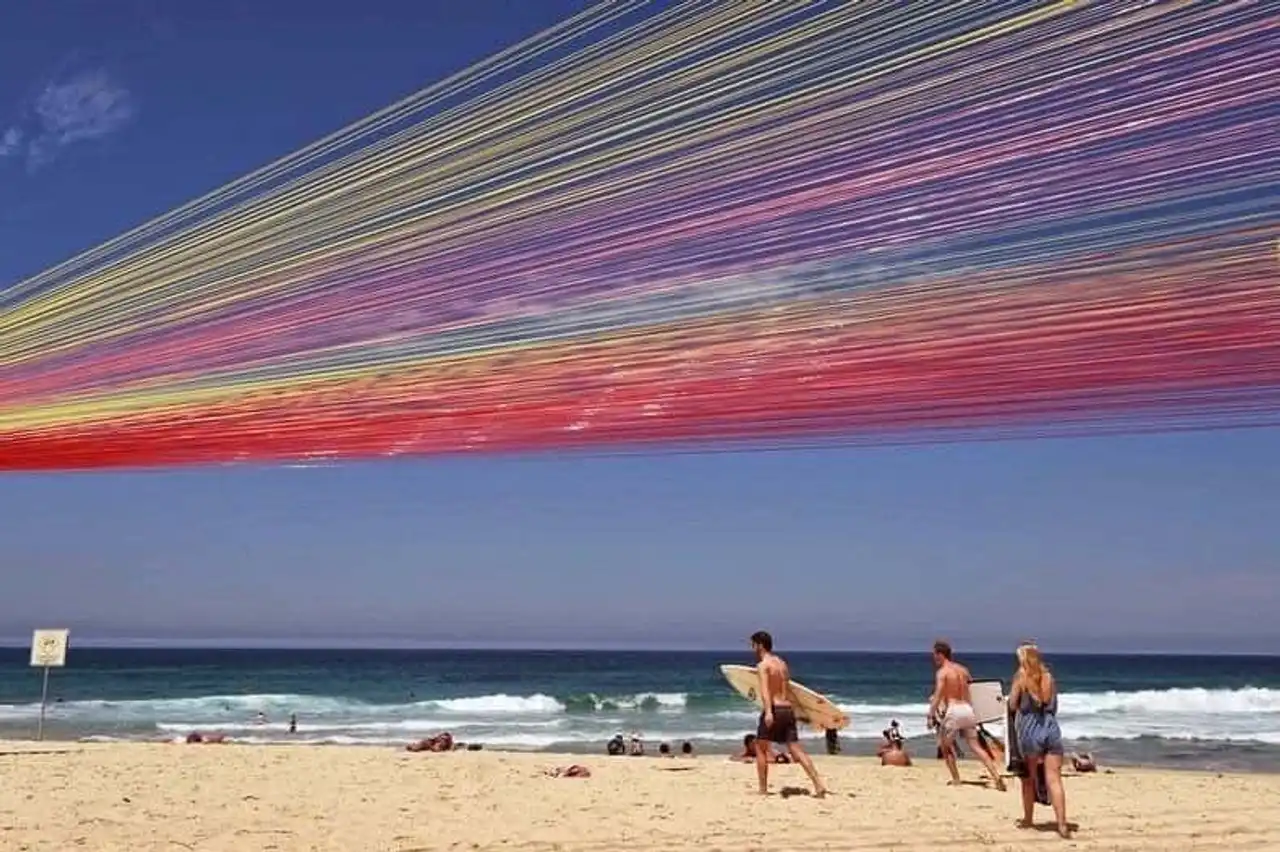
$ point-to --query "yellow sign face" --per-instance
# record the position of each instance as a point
(49, 648)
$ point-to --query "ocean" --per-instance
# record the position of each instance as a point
(1210, 712)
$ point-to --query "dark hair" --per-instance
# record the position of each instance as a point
(749, 740)
(763, 639)
(686, 747)
(664, 748)
(942, 647)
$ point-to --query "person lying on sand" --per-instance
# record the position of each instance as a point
(778, 715)
(574, 771)
(440, 742)
(209, 739)
(1083, 762)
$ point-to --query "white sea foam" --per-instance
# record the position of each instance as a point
(1230, 702)
(1250, 714)
(489, 705)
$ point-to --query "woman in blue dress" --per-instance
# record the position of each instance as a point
(1034, 696)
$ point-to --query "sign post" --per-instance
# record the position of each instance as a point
(48, 651)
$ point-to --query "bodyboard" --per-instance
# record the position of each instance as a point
(987, 698)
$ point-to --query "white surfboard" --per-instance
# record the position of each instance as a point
(812, 707)
(988, 699)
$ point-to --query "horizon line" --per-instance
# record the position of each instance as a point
(145, 644)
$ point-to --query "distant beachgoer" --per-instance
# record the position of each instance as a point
(892, 751)
(895, 756)
(438, 743)
(951, 712)
(262, 718)
(616, 746)
(748, 753)
(686, 748)
(778, 717)
(293, 723)
(664, 750)
(833, 740)
(637, 745)
(1034, 697)
(1083, 762)
(207, 739)
(575, 771)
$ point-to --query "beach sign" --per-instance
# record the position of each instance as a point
(48, 651)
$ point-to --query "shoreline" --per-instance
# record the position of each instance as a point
(235, 798)
(922, 752)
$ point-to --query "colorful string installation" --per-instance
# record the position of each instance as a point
(707, 223)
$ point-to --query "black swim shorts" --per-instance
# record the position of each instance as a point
(783, 730)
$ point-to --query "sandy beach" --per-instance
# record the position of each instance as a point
(225, 798)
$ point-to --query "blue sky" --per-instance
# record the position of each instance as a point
(112, 113)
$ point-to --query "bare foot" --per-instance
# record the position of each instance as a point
(1000, 785)
(1025, 823)
(820, 793)
(1064, 832)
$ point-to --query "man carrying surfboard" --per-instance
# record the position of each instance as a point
(778, 716)
(951, 709)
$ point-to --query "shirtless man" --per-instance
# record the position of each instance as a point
(950, 709)
(778, 718)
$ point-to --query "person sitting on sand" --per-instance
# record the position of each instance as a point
(438, 743)
(664, 750)
(748, 753)
(893, 750)
(895, 755)
(686, 748)
(637, 745)
(617, 746)
(1083, 762)
(1034, 697)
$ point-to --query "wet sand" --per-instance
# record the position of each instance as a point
(228, 798)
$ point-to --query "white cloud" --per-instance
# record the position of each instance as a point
(11, 142)
(83, 108)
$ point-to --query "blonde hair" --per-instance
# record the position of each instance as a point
(1034, 671)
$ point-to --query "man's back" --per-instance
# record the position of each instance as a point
(953, 682)
(775, 670)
